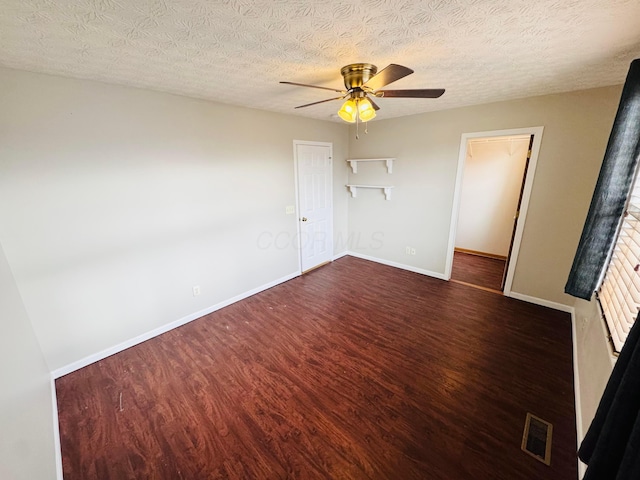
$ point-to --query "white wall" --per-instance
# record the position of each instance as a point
(576, 129)
(26, 411)
(115, 202)
(492, 179)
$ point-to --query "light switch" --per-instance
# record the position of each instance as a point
(290, 210)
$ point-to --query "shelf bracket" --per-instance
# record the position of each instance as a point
(389, 162)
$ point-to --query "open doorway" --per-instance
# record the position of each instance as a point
(495, 174)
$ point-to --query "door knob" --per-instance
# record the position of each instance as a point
(304, 219)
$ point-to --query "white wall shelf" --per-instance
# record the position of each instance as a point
(385, 188)
(353, 162)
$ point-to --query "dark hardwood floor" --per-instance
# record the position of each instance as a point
(478, 270)
(353, 371)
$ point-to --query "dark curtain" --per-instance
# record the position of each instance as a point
(610, 195)
(611, 448)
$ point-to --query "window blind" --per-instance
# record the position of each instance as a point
(619, 293)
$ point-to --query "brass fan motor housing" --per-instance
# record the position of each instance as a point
(357, 74)
(363, 80)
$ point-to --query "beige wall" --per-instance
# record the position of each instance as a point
(491, 184)
(595, 359)
(576, 128)
(26, 411)
(115, 202)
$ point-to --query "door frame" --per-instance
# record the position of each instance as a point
(524, 206)
(518, 206)
(297, 191)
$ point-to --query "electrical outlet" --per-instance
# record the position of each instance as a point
(413, 251)
(196, 290)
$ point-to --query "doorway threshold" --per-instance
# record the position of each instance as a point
(486, 289)
(316, 267)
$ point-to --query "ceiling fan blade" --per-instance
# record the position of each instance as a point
(314, 86)
(417, 93)
(387, 75)
(321, 101)
(373, 104)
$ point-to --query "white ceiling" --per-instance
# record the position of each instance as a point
(236, 51)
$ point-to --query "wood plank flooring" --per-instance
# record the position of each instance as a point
(353, 371)
(477, 270)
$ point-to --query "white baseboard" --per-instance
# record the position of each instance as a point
(83, 362)
(56, 430)
(540, 301)
(389, 263)
(340, 255)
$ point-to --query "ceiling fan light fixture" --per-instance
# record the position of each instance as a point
(349, 111)
(366, 111)
(363, 79)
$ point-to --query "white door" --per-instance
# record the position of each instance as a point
(315, 209)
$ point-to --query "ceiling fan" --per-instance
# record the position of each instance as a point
(363, 81)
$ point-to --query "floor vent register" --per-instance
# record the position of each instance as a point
(536, 439)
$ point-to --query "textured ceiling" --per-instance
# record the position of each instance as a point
(236, 51)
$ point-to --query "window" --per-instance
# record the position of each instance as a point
(610, 243)
(619, 293)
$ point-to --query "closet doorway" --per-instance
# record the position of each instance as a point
(492, 192)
